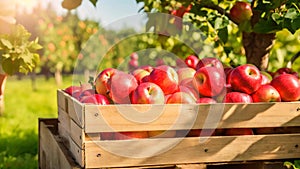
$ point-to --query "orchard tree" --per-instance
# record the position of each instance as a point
(18, 53)
(257, 21)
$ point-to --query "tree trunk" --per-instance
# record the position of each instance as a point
(86, 75)
(257, 47)
(58, 78)
(33, 81)
(3, 78)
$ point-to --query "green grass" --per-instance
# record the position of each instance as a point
(19, 124)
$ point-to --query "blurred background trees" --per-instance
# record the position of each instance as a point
(71, 42)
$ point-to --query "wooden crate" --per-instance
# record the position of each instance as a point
(80, 125)
(53, 154)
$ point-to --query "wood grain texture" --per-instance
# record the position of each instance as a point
(52, 153)
(191, 150)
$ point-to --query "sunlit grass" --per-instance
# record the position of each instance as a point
(19, 124)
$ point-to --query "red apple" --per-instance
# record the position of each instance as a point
(87, 92)
(76, 95)
(238, 131)
(288, 87)
(165, 77)
(241, 12)
(139, 74)
(102, 79)
(181, 11)
(191, 61)
(209, 81)
(133, 64)
(209, 62)
(245, 78)
(228, 72)
(237, 97)
(131, 135)
(180, 98)
(71, 89)
(285, 70)
(266, 93)
(185, 73)
(206, 100)
(120, 86)
(147, 93)
(134, 56)
(95, 99)
(160, 62)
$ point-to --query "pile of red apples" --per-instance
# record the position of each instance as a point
(192, 81)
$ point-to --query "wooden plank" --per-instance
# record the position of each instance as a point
(77, 134)
(62, 100)
(52, 153)
(191, 150)
(64, 135)
(77, 153)
(64, 119)
(106, 118)
(76, 111)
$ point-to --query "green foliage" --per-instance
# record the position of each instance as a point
(18, 53)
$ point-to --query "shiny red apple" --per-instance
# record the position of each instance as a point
(237, 97)
(139, 74)
(147, 93)
(120, 86)
(266, 93)
(165, 77)
(209, 62)
(102, 79)
(71, 89)
(245, 78)
(95, 99)
(191, 61)
(285, 70)
(241, 12)
(209, 81)
(288, 87)
(185, 73)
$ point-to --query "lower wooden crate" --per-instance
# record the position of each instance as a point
(53, 154)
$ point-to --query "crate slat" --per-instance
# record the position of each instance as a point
(191, 150)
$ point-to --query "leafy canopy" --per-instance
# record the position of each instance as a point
(17, 52)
